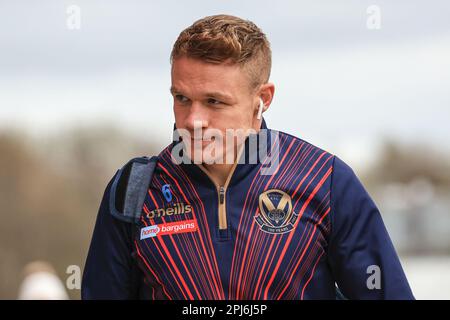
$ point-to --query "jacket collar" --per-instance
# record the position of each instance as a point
(252, 156)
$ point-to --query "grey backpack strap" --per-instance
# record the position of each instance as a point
(130, 187)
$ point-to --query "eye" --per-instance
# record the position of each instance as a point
(181, 98)
(214, 101)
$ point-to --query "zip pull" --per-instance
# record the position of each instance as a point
(221, 194)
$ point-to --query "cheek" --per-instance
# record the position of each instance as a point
(242, 117)
(180, 114)
(240, 114)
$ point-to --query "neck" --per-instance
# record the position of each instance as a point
(219, 173)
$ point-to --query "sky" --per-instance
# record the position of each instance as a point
(338, 84)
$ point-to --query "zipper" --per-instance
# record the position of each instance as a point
(222, 209)
(221, 192)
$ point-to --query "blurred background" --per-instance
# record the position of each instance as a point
(84, 86)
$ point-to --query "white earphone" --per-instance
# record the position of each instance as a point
(260, 110)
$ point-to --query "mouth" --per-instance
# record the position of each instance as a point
(203, 140)
(199, 142)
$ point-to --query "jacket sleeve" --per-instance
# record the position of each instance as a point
(110, 271)
(361, 254)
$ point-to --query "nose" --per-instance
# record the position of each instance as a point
(197, 117)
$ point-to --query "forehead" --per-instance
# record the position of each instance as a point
(198, 77)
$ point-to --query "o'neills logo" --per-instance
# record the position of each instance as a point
(174, 209)
(169, 228)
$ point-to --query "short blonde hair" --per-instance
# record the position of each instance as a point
(224, 39)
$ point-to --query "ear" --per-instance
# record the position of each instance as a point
(266, 93)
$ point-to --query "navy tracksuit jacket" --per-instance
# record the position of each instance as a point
(292, 234)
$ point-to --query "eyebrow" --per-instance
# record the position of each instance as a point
(215, 94)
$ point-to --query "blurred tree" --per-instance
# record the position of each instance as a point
(405, 163)
(50, 190)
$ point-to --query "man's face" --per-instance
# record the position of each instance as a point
(212, 96)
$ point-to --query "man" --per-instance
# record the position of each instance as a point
(235, 210)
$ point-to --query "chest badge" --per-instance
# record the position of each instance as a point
(167, 192)
(275, 212)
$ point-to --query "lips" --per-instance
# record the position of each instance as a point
(202, 140)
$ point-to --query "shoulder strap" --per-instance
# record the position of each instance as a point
(130, 187)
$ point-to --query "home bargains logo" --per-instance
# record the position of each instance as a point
(169, 228)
